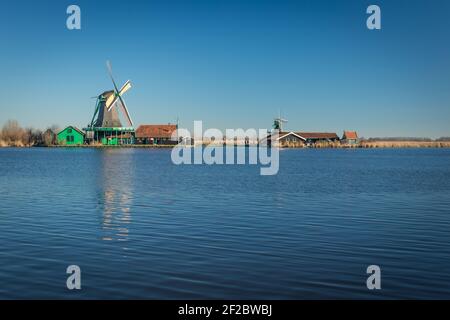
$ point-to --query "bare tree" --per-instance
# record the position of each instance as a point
(55, 128)
(13, 134)
(33, 137)
(49, 137)
(28, 136)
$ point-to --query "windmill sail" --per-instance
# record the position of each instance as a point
(125, 87)
(125, 112)
(108, 104)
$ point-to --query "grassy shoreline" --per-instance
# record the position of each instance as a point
(362, 145)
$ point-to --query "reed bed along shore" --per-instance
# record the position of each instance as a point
(405, 144)
(374, 144)
(13, 144)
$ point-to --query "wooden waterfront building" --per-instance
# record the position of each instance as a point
(156, 134)
(304, 139)
(312, 138)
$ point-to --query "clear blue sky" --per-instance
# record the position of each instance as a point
(232, 63)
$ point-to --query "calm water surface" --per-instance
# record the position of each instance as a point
(141, 227)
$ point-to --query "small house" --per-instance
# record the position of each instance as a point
(71, 136)
(350, 138)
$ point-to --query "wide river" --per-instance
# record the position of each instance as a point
(141, 227)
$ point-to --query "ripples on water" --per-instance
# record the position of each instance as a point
(140, 227)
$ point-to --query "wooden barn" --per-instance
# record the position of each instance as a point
(159, 134)
(303, 139)
(312, 138)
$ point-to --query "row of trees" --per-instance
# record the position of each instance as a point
(12, 134)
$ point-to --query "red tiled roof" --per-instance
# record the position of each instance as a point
(350, 135)
(155, 131)
(318, 135)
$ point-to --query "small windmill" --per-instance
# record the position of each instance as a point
(107, 105)
(278, 123)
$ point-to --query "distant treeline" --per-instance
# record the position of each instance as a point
(13, 135)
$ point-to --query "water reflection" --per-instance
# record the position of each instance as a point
(116, 193)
